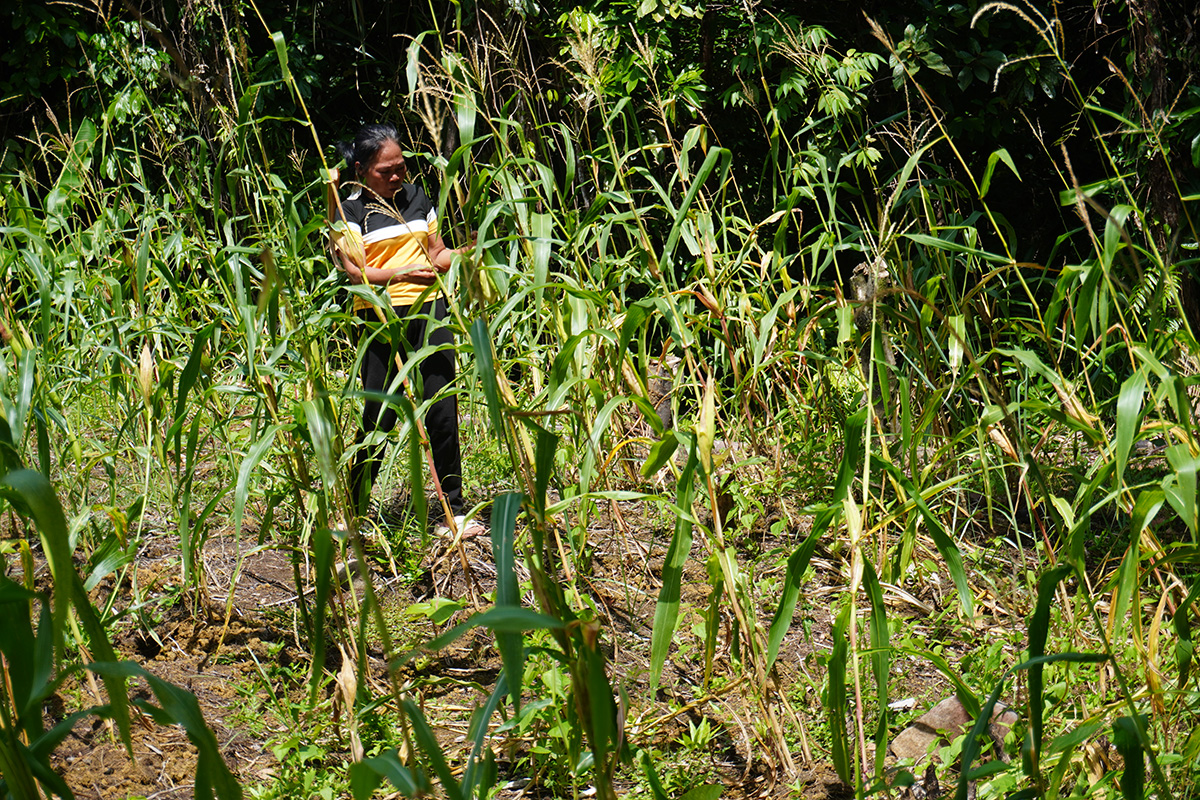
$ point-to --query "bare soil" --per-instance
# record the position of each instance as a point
(221, 646)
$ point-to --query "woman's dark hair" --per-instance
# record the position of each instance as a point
(367, 143)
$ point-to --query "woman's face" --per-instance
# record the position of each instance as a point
(386, 173)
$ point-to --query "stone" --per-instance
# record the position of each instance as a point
(946, 721)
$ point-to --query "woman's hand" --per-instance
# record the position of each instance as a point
(415, 273)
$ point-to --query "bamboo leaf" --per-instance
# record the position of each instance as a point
(955, 247)
(996, 157)
(716, 156)
(1129, 418)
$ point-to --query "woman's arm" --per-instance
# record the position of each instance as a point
(441, 256)
(412, 273)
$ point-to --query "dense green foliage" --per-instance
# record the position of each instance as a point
(915, 274)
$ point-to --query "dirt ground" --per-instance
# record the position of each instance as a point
(220, 663)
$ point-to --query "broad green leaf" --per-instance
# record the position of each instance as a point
(941, 538)
(248, 468)
(836, 707)
(995, 158)
(485, 367)
(666, 611)
(323, 566)
(281, 54)
(797, 564)
(1127, 739)
(1114, 234)
(660, 453)
(1180, 487)
(433, 751)
(1039, 631)
(179, 707)
(508, 593)
(978, 734)
(958, 335)
(955, 247)
(1129, 419)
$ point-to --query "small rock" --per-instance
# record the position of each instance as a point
(948, 717)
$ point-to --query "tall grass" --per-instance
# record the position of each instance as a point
(177, 357)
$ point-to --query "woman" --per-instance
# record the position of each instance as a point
(390, 239)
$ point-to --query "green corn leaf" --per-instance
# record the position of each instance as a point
(836, 706)
(1185, 648)
(416, 464)
(969, 700)
(281, 53)
(955, 247)
(1180, 487)
(29, 661)
(33, 494)
(1127, 580)
(511, 644)
(880, 658)
(542, 233)
(660, 453)
(971, 745)
(179, 707)
(797, 564)
(433, 751)
(958, 335)
(716, 156)
(363, 780)
(248, 468)
(323, 558)
(646, 760)
(546, 448)
(1114, 234)
(366, 775)
(1039, 630)
(486, 368)
(597, 707)
(187, 380)
(472, 777)
(941, 539)
(1127, 739)
(666, 611)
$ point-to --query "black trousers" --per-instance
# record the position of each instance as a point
(409, 332)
